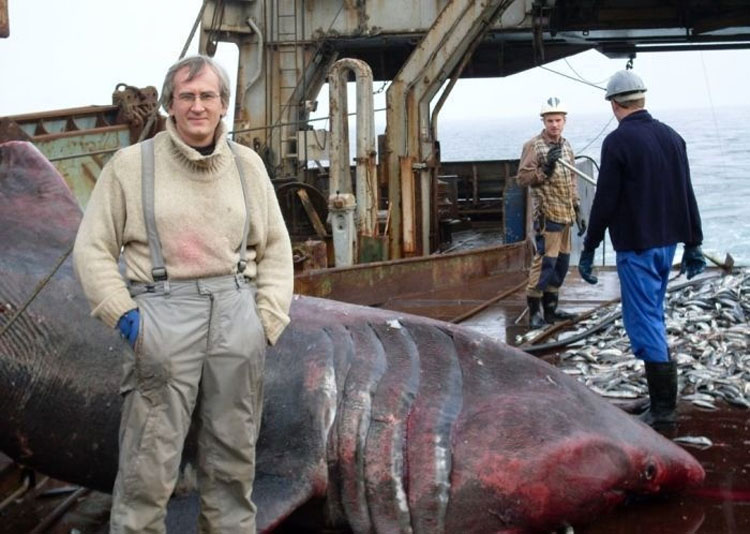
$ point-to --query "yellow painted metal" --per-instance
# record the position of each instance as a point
(79, 141)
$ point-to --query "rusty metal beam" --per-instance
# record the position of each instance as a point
(454, 33)
(489, 302)
(372, 284)
(101, 116)
(79, 141)
(407, 215)
(307, 204)
(4, 23)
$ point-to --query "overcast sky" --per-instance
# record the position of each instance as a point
(73, 53)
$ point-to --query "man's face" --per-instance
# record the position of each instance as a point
(196, 106)
(554, 124)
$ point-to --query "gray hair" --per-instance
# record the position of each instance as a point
(636, 103)
(195, 64)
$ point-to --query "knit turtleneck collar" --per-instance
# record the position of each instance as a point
(191, 156)
(205, 150)
(220, 141)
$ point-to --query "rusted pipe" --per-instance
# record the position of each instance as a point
(16, 494)
(55, 514)
(250, 22)
(580, 173)
(366, 179)
(27, 485)
(85, 154)
(488, 303)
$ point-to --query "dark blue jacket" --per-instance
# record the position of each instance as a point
(644, 194)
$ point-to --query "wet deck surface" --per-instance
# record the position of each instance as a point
(722, 505)
(504, 319)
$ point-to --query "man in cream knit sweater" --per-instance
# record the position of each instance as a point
(207, 284)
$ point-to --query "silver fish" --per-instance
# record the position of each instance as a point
(708, 336)
(699, 442)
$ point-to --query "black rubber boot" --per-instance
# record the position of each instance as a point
(551, 313)
(536, 319)
(662, 391)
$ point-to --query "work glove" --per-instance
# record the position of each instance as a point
(585, 266)
(693, 262)
(580, 222)
(129, 324)
(552, 156)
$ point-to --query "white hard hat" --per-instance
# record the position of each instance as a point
(553, 105)
(625, 85)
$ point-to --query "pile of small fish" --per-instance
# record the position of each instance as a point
(708, 334)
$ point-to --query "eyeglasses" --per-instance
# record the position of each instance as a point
(207, 97)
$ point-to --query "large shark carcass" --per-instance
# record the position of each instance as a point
(373, 421)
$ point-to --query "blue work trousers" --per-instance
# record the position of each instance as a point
(643, 285)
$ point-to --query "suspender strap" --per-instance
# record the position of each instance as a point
(158, 270)
(243, 247)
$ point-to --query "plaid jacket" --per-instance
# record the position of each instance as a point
(555, 197)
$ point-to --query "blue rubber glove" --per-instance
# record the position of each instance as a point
(129, 324)
(693, 263)
(585, 266)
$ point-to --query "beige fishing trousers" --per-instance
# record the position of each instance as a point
(546, 273)
(201, 342)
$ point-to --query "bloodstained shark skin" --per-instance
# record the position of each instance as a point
(373, 421)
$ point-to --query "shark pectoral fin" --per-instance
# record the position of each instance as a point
(277, 497)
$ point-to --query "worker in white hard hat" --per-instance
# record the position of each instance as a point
(554, 193)
(645, 198)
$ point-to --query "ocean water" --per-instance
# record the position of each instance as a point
(718, 144)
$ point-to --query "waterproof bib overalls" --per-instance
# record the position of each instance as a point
(201, 348)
